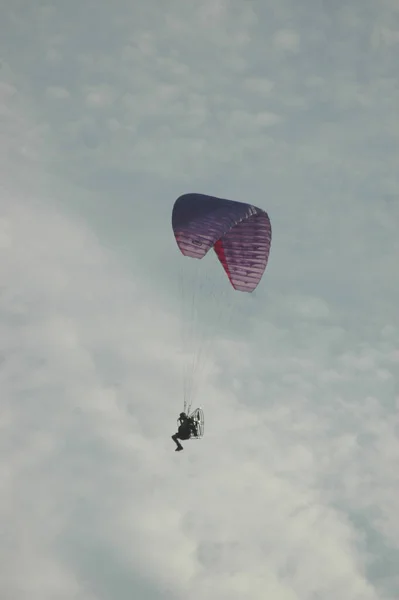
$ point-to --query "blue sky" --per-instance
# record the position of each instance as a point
(108, 112)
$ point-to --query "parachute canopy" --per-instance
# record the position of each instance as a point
(239, 233)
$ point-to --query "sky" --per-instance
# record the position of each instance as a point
(108, 112)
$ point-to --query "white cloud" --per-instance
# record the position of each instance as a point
(249, 515)
(57, 93)
(293, 491)
(100, 96)
(260, 85)
(287, 39)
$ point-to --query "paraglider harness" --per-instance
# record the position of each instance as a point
(196, 420)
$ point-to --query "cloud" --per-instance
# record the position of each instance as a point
(286, 39)
(108, 116)
(57, 92)
(56, 403)
(252, 512)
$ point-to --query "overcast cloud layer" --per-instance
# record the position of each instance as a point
(108, 112)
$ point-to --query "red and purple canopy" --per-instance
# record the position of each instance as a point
(239, 233)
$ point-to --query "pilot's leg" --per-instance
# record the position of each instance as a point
(178, 444)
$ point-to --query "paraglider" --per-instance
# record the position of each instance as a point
(240, 235)
(189, 427)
